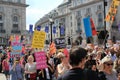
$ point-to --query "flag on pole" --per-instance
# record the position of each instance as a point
(38, 28)
(94, 32)
(54, 30)
(87, 27)
(47, 29)
(62, 30)
(30, 28)
(112, 11)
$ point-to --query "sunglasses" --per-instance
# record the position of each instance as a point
(108, 64)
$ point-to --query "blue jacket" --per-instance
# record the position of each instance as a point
(17, 73)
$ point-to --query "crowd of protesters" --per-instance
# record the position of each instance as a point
(89, 63)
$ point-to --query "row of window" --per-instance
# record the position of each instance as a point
(99, 22)
(15, 20)
(18, 1)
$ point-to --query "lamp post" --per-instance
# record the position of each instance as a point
(51, 23)
(105, 4)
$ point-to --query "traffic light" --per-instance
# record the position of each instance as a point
(69, 41)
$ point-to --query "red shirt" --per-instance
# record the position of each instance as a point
(5, 65)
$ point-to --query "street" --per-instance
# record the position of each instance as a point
(2, 77)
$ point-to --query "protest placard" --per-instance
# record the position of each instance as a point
(38, 39)
(16, 47)
(41, 61)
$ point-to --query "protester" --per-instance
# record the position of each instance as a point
(91, 70)
(0, 62)
(64, 65)
(77, 61)
(17, 70)
(108, 72)
(5, 67)
(30, 69)
(47, 73)
(117, 67)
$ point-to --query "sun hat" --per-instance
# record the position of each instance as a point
(106, 59)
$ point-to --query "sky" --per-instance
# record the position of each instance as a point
(38, 8)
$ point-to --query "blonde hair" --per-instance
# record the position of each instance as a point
(30, 57)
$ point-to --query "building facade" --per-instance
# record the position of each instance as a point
(12, 18)
(71, 13)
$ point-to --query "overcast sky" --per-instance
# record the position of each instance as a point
(38, 8)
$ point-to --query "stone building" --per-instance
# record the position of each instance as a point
(12, 18)
(71, 13)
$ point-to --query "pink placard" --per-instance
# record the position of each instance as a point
(40, 60)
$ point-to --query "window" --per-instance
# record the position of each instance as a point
(99, 7)
(1, 9)
(15, 26)
(78, 16)
(1, 26)
(81, 1)
(1, 22)
(15, 10)
(15, 23)
(78, 13)
(18, 1)
(15, 19)
(1, 18)
(100, 20)
(88, 10)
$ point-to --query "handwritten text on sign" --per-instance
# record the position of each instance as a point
(16, 46)
(38, 39)
(40, 60)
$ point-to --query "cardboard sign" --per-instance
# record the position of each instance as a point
(60, 43)
(41, 61)
(16, 47)
(38, 39)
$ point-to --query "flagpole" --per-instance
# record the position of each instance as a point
(51, 23)
(105, 4)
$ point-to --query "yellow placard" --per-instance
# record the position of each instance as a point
(38, 40)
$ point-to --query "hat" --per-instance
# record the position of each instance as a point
(60, 55)
(106, 59)
(99, 52)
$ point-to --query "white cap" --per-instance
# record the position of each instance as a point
(106, 59)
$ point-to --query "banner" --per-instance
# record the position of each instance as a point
(54, 30)
(38, 39)
(60, 43)
(94, 32)
(41, 61)
(38, 28)
(30, 28)
(62, 30)
(87, 27)
(112, 11)
(47, 29)
(16, 47)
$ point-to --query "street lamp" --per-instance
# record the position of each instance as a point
(51, 23)
(105, 4)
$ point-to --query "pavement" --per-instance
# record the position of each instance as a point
(2, 77)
